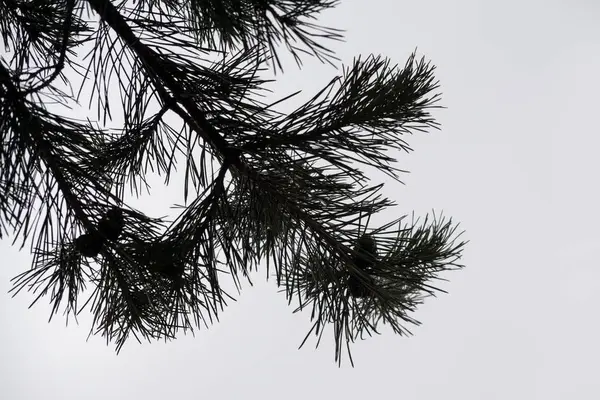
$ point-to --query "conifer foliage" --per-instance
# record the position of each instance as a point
(263, 189)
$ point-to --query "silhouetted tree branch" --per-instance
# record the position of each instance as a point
(261, 186)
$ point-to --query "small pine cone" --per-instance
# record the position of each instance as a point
(160, 260)
(357, 288)
(140, 298)
(111, 225)
(172, 271)
(89, 244)
(366, 250)
(365, 259)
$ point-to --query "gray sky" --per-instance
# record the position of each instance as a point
(514, 163)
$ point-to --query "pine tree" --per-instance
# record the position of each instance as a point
(262, 188)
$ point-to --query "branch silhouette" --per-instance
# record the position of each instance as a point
(262, 188)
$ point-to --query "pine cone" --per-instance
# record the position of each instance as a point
(140, 298)
(365, 259)
(111, 225)
(89, 244)
(357, 288)
(366, 250)
(160, 259)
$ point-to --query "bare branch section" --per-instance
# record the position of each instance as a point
(283, 190)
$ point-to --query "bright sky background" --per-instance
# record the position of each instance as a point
(515, 163)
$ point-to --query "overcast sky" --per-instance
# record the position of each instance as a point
(515, 163)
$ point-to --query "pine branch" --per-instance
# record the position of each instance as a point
(384, 103)
(289, 188)
(155, 68)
